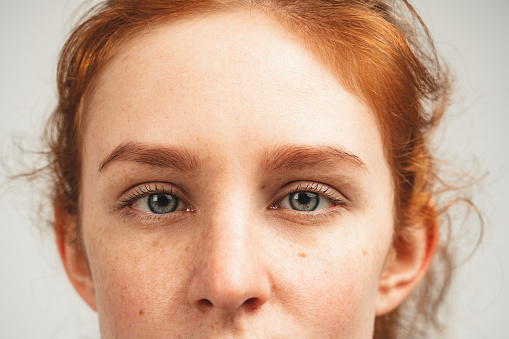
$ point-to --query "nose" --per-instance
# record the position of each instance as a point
(229, 274)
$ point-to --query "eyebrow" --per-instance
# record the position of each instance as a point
(280, 158)
(284, 158)
(178, 158)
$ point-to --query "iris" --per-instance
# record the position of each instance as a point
(162, 203)
(304, 201)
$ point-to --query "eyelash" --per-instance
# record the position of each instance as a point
(143, 190)
(323, 189)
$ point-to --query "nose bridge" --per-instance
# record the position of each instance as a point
(229, 252)
(230, 227)
(226, 243)
(229, 273)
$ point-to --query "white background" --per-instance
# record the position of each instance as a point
(37, 301)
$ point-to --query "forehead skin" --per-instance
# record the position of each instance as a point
(246, 64)
(228, 87)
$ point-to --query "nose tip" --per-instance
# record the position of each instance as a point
(229, 274)
(229, 289)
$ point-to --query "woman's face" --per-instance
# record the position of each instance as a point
(231, 187)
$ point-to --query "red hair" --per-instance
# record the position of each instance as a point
(385, 60)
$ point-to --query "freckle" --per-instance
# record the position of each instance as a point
(116, 258)
(141, 312)
(122, 297)
(364, 252)
(155, 243)
(302, 255)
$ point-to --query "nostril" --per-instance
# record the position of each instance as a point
(252, 303)
(249, 304)
(204, 304)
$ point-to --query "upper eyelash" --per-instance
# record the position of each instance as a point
(141, 191)
(320, 188)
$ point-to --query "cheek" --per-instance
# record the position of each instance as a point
(138, 281)
(334, 289)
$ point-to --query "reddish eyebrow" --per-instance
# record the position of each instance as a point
(288, 157)
(178, 158)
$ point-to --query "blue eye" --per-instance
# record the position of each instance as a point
(161, 203)
(154, 202)
(307, 201)
(304, 201)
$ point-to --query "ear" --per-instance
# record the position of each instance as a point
(407, 263)
(73, 256)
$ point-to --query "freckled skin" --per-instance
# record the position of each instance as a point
(227, 87)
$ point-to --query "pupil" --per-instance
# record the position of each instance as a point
(162, 200)
(303, 198)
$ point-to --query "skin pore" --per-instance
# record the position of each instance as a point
(229, 116)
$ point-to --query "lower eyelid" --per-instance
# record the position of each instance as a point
(308, 218)
(150, 219)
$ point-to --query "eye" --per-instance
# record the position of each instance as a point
(158, 203)
(305, 201)
(154, 199)
(306, 196)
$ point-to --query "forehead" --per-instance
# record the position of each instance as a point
(244, 48)
(231, 75)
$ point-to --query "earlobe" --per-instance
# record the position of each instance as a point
(407, 263)
(73, 257)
